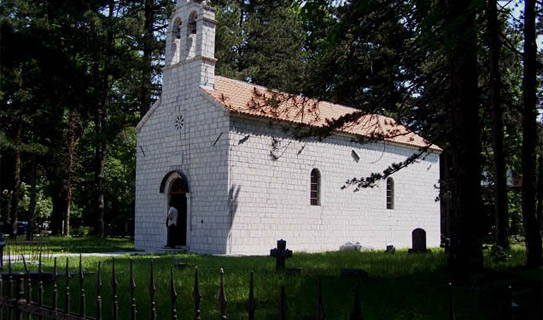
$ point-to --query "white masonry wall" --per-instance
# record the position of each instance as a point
(199, 150)
(270, 199)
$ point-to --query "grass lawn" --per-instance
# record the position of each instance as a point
(398, 284)
(90, 244)
(56, 244)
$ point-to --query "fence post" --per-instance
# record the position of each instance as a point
(251, 300)
(55, 287)
(98, 300)
(152, 290)
(222, 298)
(28, 287)
(196, 295)
(356, 313)
(133, 309)
(114, 283)
(82, 309)
(1, 296)
(20, 300)
(67, 295)
(40, 286)
(283, 304)
(452, 316)
(173, 295)
(508, 304)
(10, 285)
(319, 310)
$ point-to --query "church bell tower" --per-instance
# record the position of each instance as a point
(190, 46)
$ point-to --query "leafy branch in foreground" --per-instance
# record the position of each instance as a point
(372, 179)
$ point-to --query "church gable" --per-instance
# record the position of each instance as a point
(147, 116)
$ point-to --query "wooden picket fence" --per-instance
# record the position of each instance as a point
(17, 303)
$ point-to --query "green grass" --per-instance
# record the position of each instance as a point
(57, 244)
(398, 284)
(90, 244)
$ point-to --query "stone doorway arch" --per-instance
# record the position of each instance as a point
(176, 185)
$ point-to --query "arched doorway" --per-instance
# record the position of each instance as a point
(178, 199)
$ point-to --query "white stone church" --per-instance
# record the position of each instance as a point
(217, 150)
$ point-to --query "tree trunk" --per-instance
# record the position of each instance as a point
(99, 128)
(540, 193)
(529, 139)
(32, 207)
(500, 188)
(466, 253)
(14, 202)
(57, 215)
(99, 168)
(147, 66)
(70, 151)
(445, 194)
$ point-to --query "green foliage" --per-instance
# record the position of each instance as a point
(261, 42)
(44, 206)
(498, 254)
(120, 183)
(361, 57)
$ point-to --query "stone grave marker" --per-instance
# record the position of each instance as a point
(418, 237)
(349, 246)
(281, 253)
(390, 249)
(353, 272)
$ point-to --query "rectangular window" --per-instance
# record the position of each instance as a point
(390, 194)
(315, 188)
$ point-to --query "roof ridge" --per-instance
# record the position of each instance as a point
(240, 94)
(297, 95)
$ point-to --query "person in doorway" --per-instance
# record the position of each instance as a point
(171, 223)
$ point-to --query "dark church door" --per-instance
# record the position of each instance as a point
(178, 199)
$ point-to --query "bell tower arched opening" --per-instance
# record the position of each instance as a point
(176, 41)
(191, 36)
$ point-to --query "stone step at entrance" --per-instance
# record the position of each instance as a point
(178, 249)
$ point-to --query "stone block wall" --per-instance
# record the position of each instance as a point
(199, 150)
(270, 199)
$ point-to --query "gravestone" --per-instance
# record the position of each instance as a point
(354, 272)
(349, 246)
(295, 271)
(182, 265)
(281, 253)
(445, 243)
(418, 237)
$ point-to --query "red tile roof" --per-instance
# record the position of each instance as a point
(247, 99)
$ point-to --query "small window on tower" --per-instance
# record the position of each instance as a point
(315, 197)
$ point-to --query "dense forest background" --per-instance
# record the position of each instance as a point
(76, 77)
